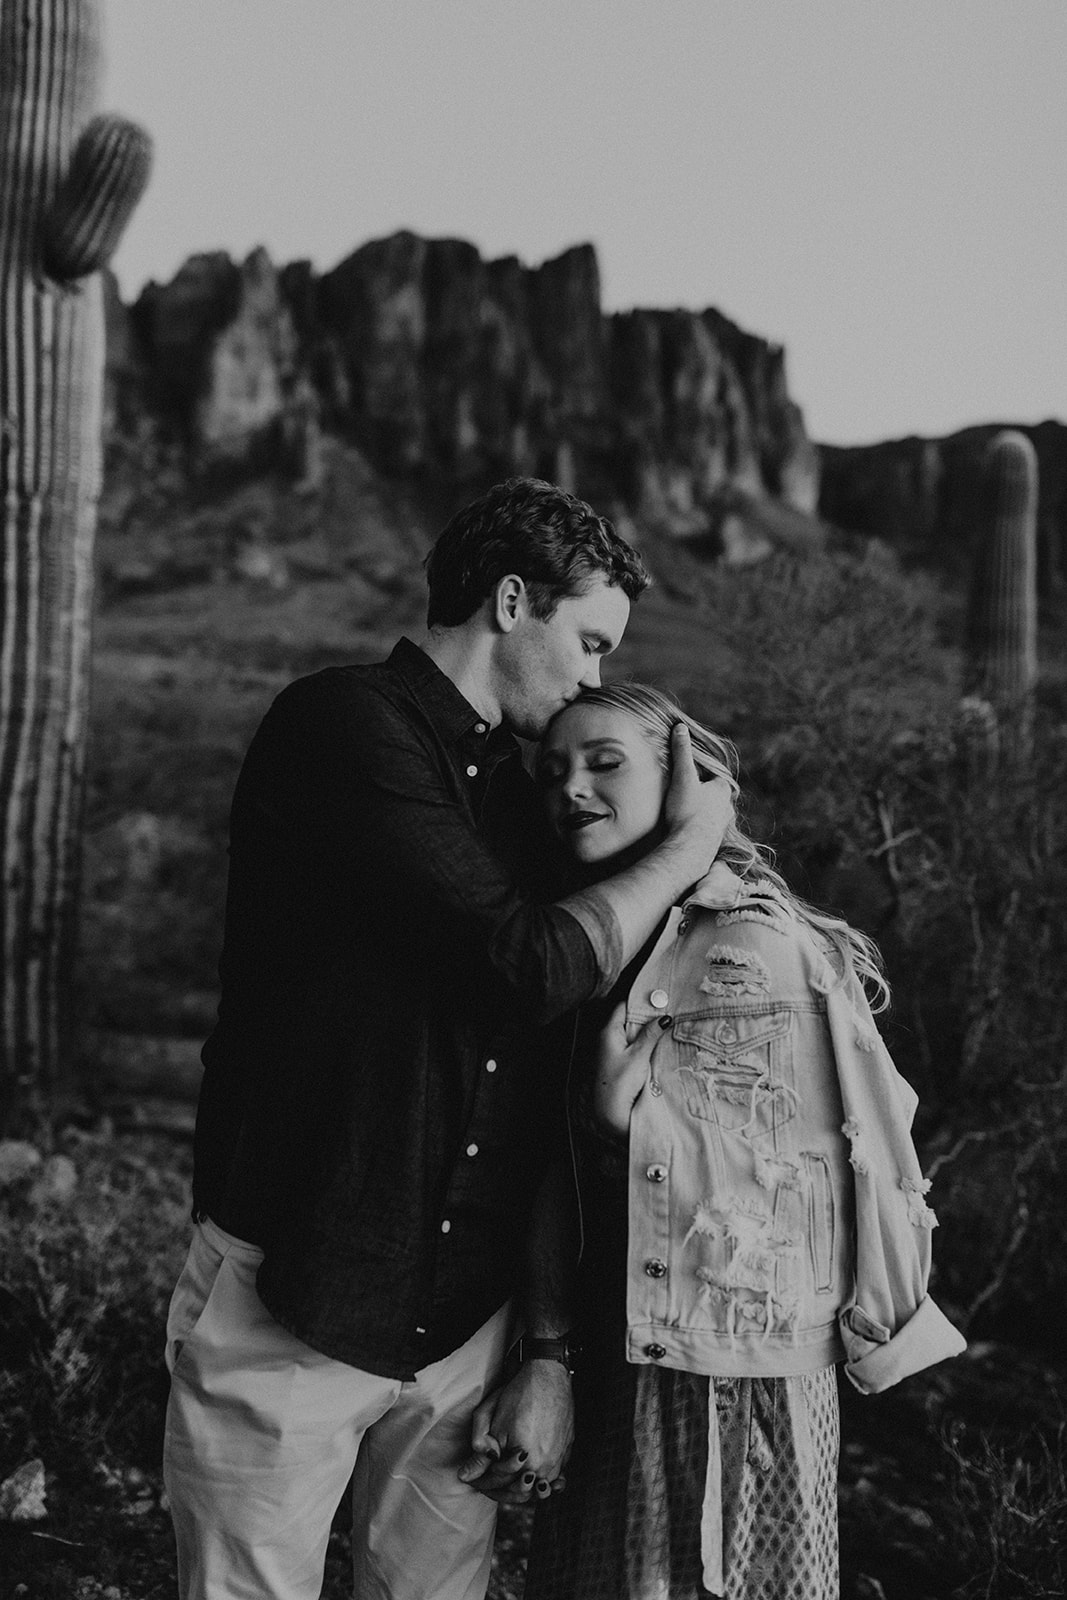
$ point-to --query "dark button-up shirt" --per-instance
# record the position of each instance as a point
(377, 1103)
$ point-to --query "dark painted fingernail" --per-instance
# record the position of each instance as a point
(528, 1478)
(523, 1454)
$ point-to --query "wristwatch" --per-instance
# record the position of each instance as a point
(566, 1350)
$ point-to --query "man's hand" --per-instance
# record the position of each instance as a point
(521, 1435)
(696, 814)
(620, 1068)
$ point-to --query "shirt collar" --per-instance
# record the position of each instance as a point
(450, 712)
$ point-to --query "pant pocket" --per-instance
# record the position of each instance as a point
(208, 1251)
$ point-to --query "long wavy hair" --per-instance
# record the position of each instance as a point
(656, 714)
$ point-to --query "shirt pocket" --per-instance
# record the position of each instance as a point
(735, 1069)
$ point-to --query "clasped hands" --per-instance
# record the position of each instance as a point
(521, 1436)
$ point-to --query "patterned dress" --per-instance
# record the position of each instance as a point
(633, 1521)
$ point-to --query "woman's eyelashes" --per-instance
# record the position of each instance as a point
(551, 777)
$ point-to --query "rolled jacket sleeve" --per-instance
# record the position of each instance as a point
(892, 1328)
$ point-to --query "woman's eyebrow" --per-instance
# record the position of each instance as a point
(603, 740)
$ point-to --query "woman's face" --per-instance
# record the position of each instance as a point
(602, 782)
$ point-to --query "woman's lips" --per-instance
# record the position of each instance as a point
(580, 819)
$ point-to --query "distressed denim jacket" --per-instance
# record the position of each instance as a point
(777, 1220)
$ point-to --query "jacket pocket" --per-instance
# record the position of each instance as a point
(822, 1221)
(732, 1066)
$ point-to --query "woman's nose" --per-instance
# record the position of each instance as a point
(576, 785)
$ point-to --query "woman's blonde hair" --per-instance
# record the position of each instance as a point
(656, 714)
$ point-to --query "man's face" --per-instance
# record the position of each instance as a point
(545, 664)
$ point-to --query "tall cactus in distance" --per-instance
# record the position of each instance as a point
(68, 183)
(1001, 635)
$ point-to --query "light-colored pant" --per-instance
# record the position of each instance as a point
(263, 1433)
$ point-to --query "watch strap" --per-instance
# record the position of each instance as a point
(565, 1350)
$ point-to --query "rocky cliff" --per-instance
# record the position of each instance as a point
(451, 371)
(921, 496)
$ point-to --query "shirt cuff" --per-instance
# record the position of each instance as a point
(876, 1359)
(593, 914)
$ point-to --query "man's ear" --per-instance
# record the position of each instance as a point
(509, 601)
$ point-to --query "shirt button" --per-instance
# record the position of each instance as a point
(656, 1173)
(472, 1149)
(420, 1330)
(472, 772)
(490, 1066)
(479, 727)
(655, 1269)
(446, 1226)
(659, 998)
(655, 1352)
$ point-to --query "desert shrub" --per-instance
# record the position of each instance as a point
(821, 667)
(1008, 1512)
(978, 953)
(86, 1280)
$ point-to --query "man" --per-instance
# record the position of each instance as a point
(375, 1120)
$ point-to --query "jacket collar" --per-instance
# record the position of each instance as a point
(721, 889)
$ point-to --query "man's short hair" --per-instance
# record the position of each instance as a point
(554, 542)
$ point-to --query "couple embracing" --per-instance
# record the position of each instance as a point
(546, 1147)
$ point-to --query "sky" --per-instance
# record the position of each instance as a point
(878, 185)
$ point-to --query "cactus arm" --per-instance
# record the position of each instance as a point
(108, 174)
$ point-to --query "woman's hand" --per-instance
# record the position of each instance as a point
(620, 1069)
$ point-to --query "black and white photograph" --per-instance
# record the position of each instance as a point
(533, 800)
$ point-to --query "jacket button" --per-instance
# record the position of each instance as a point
(659, 998)
(655, 1352)
(726, 1033)
(656, 1173)
(656, 1269)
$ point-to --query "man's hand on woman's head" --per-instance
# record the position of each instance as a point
(696, 814)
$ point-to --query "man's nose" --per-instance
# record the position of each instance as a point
(590, 678)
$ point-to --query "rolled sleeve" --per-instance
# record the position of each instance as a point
(877, 1359)
(598, 922)
(892, 1328)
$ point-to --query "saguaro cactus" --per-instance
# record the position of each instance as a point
(68, 182)
(1001, 638)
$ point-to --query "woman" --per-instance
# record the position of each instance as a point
(753, 1207)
